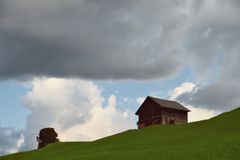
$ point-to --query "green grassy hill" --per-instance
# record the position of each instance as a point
(214, 139)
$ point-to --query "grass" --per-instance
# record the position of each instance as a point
(214, 139)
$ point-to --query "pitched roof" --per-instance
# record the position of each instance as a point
(167, 104)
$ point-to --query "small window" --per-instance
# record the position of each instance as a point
(171, 121)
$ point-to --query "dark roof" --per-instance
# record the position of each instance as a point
(168, 104)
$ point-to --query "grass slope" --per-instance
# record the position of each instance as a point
(214, 139)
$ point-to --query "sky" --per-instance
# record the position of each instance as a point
(84, 67)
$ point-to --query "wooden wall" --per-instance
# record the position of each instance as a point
(148, 115)
(179, 117)
(151, 113)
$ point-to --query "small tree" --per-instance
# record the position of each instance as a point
(47, 136)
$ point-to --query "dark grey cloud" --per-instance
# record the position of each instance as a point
(219, 96)
(9, 140)
(211, 43)
(101, 39)
(89, 39)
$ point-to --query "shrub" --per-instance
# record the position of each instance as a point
(47, 136)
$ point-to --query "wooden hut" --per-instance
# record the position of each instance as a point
(159, 111)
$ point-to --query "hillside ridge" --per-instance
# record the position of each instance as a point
(217, 138)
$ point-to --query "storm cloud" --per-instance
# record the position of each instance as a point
(99, 39)
(89, 39)
(219, 96)
(10, 140)
(212, 50)
(128, 39)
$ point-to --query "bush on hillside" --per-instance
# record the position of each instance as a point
(47, 136)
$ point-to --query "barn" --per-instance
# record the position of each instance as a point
(159, 111)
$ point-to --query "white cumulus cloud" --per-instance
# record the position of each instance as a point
(74, 108)
(185, 87)
(196, 114)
